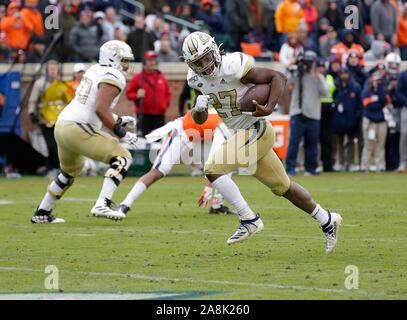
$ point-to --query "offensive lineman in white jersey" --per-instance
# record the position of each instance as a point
(78, 134)
(221, 80)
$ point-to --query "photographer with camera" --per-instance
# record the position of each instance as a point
(309, 86)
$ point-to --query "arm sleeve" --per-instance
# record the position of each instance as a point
(322, 86)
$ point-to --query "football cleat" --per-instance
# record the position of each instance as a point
(246, 229)
(43, 216)
(331, 229)
(122, 208)
(221, 210)
(102, 208)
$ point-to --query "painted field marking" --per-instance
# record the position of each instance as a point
(212, 281)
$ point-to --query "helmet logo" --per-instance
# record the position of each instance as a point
(204, 38)
(192, 47)
(114, 48)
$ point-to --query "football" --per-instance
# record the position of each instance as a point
(258, 92)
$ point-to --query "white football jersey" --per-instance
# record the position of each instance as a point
(82, 108)
(226, 90)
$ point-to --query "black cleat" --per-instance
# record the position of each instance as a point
(43, 216)
(222, 210)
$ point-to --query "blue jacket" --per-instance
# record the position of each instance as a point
(348, 108)
(358, 73)
(374, 101)
(401, 89)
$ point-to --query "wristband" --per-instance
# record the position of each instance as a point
(119, 130)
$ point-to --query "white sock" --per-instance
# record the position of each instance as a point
(138, 189)
(108, 188)
(320, 214)
(49, 200)
(232, 194)
(218, 196)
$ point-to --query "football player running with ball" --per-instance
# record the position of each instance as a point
(78, 134)
(221, 80)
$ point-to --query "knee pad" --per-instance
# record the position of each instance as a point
(118, 169)
(63, 181)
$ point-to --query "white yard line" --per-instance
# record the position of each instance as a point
(211, 281)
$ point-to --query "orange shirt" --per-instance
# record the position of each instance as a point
(18, 30)
(402, 33)
(205, 130)
(288, 16)
(35, 18)
(341, 50)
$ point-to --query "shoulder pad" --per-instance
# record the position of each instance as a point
(237, 64)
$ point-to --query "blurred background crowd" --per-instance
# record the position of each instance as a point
(361, 113)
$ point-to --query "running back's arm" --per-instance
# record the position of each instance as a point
(265, 75)
(104, 99)
(199, 117)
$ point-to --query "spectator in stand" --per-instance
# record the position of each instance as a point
(393, 134)
(384, 19)
(346, 121)
(236, 17)
(289, 51)
(78, 72)
(375, 99)
(113, 21)
(119, 34)
(3, 11)
(356, 71)
(39, 50)
(328, 42)
(105, 32)
(84, 39)
(155, 93)
(33, 15)
(186, 15)
(322, 30)
(327, 106)
(135, 39)
(305, 40)
(157, 28)
(377, 51)
(18, 29)
(402, 33)
(401, 94)
(212, 21)
(289, 14)
(270, 6)
(67, 19)
(334, 15)
(348, 41)
(166, 54)
(311, 17)
(335, 64)
(5, 52)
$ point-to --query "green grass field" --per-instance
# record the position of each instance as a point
(167, 245)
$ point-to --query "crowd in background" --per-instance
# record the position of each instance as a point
(364, 112)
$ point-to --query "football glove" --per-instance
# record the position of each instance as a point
(205, 198)
(127, 121)
(201, 103)
(130, 138)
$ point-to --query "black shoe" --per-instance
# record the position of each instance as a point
(122, 208)
(222, 210)
(43, 216)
